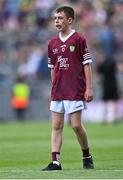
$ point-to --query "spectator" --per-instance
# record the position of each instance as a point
(110, 96)
(20, 98)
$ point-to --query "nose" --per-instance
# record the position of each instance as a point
(56, 20)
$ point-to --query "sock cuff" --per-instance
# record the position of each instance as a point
(56, 162)
(86, 152)
(54, 152)
(87, 157)
(56, 156)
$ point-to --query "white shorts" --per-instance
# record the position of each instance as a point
(66, 106)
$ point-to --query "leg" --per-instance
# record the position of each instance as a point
(79, 129)
(115, 111)
(19, 114)
(81, 134)
(105, 112)
(57, 129)
(56, 141)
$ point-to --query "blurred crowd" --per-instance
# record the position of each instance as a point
(26, 26)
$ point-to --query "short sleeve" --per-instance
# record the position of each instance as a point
(50, 57)
(86, 56)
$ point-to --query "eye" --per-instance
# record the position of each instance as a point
(60, 17)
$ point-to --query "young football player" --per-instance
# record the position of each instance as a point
(71, 76)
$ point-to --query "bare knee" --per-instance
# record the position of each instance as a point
(57, 127)
(57, 121)
(77, 128)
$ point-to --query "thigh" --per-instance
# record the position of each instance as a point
(57, 119)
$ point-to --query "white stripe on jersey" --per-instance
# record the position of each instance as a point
(50, 65)
(49, 60)
(87, 61)
(87, 56)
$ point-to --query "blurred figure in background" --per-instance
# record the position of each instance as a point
(108, 71)
(20, 98)
(120, 85)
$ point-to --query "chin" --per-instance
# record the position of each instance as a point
(59, 30)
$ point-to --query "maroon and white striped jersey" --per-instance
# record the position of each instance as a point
(67, 57)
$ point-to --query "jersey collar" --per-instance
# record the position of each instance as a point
(67, 37)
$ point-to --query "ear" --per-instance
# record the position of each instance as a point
(70, 20)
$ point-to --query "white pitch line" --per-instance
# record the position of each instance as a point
(30, 170)
(109, 169)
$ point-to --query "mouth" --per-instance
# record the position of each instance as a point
(58, 26)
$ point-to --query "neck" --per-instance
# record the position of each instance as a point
(66, 33)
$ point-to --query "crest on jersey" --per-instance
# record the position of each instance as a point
(72, 48)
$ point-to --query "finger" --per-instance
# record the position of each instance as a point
(89, 98)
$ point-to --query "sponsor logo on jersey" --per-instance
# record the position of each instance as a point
(72, 48)
(63, 62)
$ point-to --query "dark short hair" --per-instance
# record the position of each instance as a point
(69, 11)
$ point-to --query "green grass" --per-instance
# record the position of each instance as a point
(25, 150)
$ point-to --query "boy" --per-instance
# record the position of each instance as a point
(69, 60)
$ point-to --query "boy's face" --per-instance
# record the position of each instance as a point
(62, 22)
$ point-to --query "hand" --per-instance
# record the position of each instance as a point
(88, 95)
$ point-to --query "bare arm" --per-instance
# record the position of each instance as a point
(89, 89)
(52, 75)
(52, 78)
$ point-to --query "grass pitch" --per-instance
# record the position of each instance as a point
(25, 150)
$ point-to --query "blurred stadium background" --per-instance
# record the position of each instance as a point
(25, 28)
